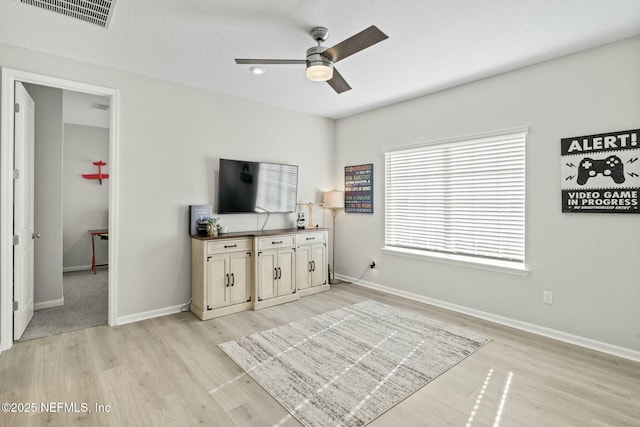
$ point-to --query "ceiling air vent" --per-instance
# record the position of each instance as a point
(94, 11)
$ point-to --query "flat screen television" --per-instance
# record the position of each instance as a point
(245, 187)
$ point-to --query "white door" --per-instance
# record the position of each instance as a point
(23, 211)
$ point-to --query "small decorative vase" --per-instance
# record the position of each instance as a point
(310, 223)
(212, 230)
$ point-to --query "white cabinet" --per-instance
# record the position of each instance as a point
(275, 270)
(254, 270)
(221, 281)
(311, 262)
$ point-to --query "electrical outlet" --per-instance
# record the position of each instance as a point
(373, 264)
(547, 297)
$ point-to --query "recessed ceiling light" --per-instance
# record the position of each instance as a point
(257, 70)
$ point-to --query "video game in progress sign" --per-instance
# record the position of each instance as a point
(601, 173)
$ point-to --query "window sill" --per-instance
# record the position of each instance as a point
(459, 260)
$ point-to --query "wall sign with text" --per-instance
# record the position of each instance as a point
(358, 188)
(601, 173)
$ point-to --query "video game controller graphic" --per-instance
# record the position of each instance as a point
(611, 166)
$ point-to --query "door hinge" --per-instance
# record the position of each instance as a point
(15, 306)
(16, 239)
(16, 107)
(16, 173)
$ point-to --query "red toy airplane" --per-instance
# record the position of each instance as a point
(99, 176)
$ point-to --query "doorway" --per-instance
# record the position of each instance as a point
(71, 133)
(9, 78)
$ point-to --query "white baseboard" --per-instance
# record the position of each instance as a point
(76, 268)
(589, 343)
(130, 318)
(48, 304)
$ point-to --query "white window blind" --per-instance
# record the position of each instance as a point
(463, 196)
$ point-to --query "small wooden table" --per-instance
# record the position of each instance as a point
(104, 235)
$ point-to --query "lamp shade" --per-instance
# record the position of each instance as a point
(319, 68)
(334, 199)
(320, 72)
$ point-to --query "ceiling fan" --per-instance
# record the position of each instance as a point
(320, 60)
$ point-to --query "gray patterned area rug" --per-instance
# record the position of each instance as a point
(348, 366)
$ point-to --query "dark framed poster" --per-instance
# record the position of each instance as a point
(198, 213)
(358, 188)
(601, 173)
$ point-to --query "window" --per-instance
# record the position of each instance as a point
(460, 199)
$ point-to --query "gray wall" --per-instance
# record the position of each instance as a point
(171, 137)
(588, 261)
(86, 202)
(48, 195)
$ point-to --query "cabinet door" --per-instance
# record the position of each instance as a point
(318, 265)
(267, 275)
(240, 277)
(217, 270)
(286, 271)
(303, 267)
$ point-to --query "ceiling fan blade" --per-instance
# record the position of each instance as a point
(354, 44)
(338, 83)
(270, 61)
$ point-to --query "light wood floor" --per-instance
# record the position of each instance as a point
(161, 371)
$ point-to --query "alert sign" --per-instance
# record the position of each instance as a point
(601, 173)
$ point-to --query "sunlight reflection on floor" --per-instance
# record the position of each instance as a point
(485, 385)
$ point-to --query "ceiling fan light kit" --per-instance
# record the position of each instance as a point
(319, 61)
(319, 68)
(319, 72)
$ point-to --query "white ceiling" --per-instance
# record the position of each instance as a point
(432, 45)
